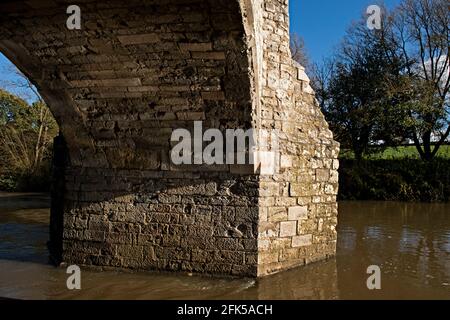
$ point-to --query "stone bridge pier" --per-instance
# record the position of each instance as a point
(137, 70)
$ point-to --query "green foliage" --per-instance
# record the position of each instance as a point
(39, 181)
(399, 180)
(358, 104)
(394, 153)
(26, 136)
(12, 109)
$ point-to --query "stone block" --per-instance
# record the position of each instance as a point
(213, 95)
(286, 162)
(277, 214)
(322, 175)
(203, 46)
(288, 229)
(139, 39)
(298, 213)
(302, 241)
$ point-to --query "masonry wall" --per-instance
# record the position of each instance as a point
(136, 71)
(298, 208)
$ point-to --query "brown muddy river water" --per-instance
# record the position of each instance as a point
(409, 242)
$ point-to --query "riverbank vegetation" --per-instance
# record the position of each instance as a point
(395, 173)
(393, 153)
(399, 179)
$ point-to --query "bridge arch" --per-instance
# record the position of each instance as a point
(131, 66)
(139, 69)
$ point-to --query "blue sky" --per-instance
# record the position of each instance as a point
(321, 23)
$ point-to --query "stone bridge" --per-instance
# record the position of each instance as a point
(120, 85)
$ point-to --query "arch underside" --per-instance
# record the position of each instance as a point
(133, 72)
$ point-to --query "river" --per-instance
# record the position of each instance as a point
(410, 242)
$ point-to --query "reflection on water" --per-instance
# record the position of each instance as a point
(24, 221)
(410, 242)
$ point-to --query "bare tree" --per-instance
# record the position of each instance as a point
(423, 36)
(19, 84)
(28, 131)
(298, 50)
(321, 76)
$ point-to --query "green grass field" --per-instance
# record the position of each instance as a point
(394, 153)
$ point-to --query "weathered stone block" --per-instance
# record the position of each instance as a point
(203, 46)
(322, 175)
(277, 214)
(286, 161)
(302, 241)
(288, 228)
(298, 213)
(139, 39)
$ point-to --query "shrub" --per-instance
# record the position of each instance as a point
(400, 179)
